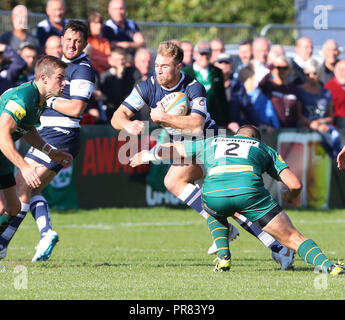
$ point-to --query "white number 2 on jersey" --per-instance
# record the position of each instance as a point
(233, 148)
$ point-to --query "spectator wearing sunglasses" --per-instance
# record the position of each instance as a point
(317, 108)
(282, 94)
(316, 101)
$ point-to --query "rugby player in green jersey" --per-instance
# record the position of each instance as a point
(20, 109)
(233, 183)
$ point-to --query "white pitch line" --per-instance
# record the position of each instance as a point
(313, 221)
(102, 226)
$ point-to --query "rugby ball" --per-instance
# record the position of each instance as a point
(175, 103)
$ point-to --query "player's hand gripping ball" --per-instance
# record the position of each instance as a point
(175, 103)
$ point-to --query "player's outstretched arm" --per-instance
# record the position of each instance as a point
(341, 159)
(159, 152)
(121, 121)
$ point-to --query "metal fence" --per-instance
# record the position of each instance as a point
(286, 34)
(155, 32)
(33, 20)
(231, 34)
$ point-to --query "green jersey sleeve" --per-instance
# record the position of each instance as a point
(275, 163)
(16, 109)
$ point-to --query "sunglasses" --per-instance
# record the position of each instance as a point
(282, 68)
(311, 74)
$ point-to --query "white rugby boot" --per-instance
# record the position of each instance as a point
(46, 246)
(285, 257)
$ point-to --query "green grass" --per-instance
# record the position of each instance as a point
(161, 254)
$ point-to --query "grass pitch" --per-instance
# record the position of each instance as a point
(161, 254)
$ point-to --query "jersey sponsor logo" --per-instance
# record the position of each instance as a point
(281, 158)
(81, 88)
(199, 104)
(64, 131)
(16, 109)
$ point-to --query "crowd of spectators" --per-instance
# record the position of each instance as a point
(261, 85)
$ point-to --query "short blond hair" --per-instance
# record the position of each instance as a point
(170, 49)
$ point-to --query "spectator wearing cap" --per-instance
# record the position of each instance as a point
(211, 78)
(240, 109)
(29, 55)
(55, 22)
(19, 33)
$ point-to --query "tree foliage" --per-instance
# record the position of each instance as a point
(253, 12)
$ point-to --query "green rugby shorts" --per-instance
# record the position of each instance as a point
(253, 205)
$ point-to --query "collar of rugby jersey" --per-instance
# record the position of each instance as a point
(173, 88)
(64, 59)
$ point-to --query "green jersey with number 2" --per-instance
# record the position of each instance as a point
(234, 164)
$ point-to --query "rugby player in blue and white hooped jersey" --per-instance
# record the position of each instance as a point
(168, 78)
(60, 128)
